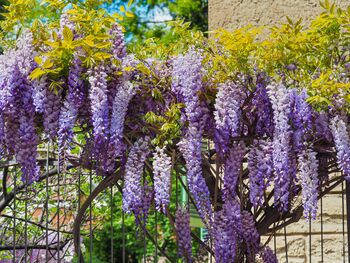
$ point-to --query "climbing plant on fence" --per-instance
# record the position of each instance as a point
(258, 126)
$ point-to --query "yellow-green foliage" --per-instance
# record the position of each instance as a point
(312, 56)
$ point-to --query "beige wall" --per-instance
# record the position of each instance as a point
(236, 13)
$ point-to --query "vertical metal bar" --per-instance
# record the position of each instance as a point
(274, 239)
(90, 215)
(79, 204)
(123, 235)
(321, 202)
(47, 203)
(112, 250)
(285, 243)
(343, 218)
(347, 214)
(144, 241)
(26, 220)
(310, 239)
(58, 207)
(156, 237)
(14, 215)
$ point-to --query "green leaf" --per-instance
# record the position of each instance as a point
(67, 34)
(36, 73)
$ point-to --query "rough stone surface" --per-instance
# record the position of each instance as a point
(231, 14)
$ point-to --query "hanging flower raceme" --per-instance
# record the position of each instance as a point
(118, 43)
(26, 145)
(308, 171)
(77, 90)
(99, 104)
(132, 197)
(162, 173)
(342, 144)
(232, 170)
(124, 94)
(282, 162)
(268, 256)
(260, 165)
(261, 105)
(52, 107)
(228, 111)
(301, 116)
(187, 82)
(227, 229)
(142, 210)
(183, 230)
(250, 234)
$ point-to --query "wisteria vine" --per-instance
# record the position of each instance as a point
(262, 136)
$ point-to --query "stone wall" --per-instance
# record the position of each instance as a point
(231, 14)
(298, 238)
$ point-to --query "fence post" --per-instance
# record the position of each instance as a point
(348, 215)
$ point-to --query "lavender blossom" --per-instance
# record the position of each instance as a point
(233, 165)
(250, 234)
(308, 170)
(182, 226)
(118, 43)
(190, 147)
(51, 106)
(26, 145)
(99, 104)
(187, 82)
(77, 92)
(263, 108)
(124, 94)
(67, 120)
(280, 99)
(301, 116)
(268, 256)
(260, 165)
(39, 87)
(133, 175)
(142, 210)
(342, 144)
(162, 174)
(228, 108)
(227, 229)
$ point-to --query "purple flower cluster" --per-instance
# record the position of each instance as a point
(77, 90)
(232, 170)
(124, 94)
(26, 146)
(342, 144)
(227, 229)
(308, 170)
(262, 107)
(249, 233)
(183, 230)
(118, 43)
(132, 197)
(260, 166)
(268, 256)
(99, 104)
(301, 116)
(142, 209)
(283, 168)
(228, 111)
(52, 107)
(186, 84)
(190, 147)
(162, 175)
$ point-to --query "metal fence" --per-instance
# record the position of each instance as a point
(55, 219)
